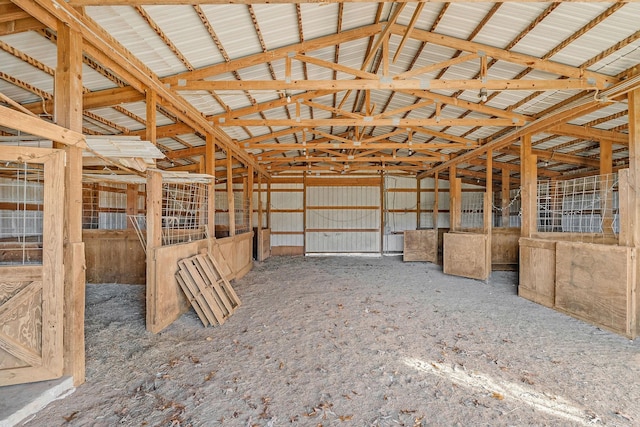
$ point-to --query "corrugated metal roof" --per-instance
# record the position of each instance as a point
(237, 37)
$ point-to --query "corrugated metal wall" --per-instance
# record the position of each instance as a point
(343, 219)
(287, 214)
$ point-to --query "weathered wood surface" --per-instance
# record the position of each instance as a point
(287, 250)
(466, 255)
(264, 244)
(504, 248)
(114, 256)
(538, 271)
(165, 299)
(596, 283)
(420, 245)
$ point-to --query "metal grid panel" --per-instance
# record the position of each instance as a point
(581, 205)
(21, 215)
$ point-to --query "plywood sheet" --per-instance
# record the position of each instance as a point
(165, 300)
(595, 283)
(504, 247)
(114, 256)
(466, 255)
(420, 245)
(538, 271)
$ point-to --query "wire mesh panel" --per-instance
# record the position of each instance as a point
(21, 213)
(184, 212)
(472, 210)
(581, 205)
(241, 213)
(511, 210)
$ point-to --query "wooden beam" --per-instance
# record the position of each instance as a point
(505, 198)
(556, 157)
(230, 197)
(506, 55)
(17, 120)
(590, 133)
(123, 63)
(529, 188)
(383, 84)
(68, 113)
(366, 122)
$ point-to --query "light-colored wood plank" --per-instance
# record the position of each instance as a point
(537, 271)
(465, 254)
(594, 283)
(420, 245)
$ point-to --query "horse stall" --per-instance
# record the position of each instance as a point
(138, 229)
(580, 261)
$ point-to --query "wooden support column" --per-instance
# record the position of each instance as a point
(418, 210)
(436, 203)
(528, 179)
(68, 114)
(382, 213)
(259, 222)
(152, 104)
(230, 199)
(488, 194)
(455, 202)
(634, 164)
(132, 203)
(488, 211)
(250, 195)
(210, 155)
(210, 169)
(268, 203)
(633, 198)
(505, 198)
(154, 241)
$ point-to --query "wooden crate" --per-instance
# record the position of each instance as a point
(538, 271)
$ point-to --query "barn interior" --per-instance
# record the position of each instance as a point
(479, 137)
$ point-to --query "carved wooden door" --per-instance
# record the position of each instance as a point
(31, 267)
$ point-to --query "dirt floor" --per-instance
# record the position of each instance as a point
(352, 342)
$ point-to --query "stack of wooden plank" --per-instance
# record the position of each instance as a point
(207, 289)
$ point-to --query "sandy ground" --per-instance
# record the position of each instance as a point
(352, 342)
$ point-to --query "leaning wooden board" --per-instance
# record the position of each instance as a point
(207, 289)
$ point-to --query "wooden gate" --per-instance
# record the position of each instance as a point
(31, 267)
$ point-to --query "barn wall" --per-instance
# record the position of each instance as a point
(287, 218)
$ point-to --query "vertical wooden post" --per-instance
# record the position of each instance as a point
(529, 171)
(455, 204)
(250, 195)
(488, 195)
(488, 211)
(230, 199)
(436, 203)
(259, 223)
(154, 241)
(304, 213)
(418, 210)
(505, 198)
(634, 201)
(152, 104)
(68, 113)
(132, 203)
(268, 203)
(634, 163)
(382, 213)
(210, 169)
